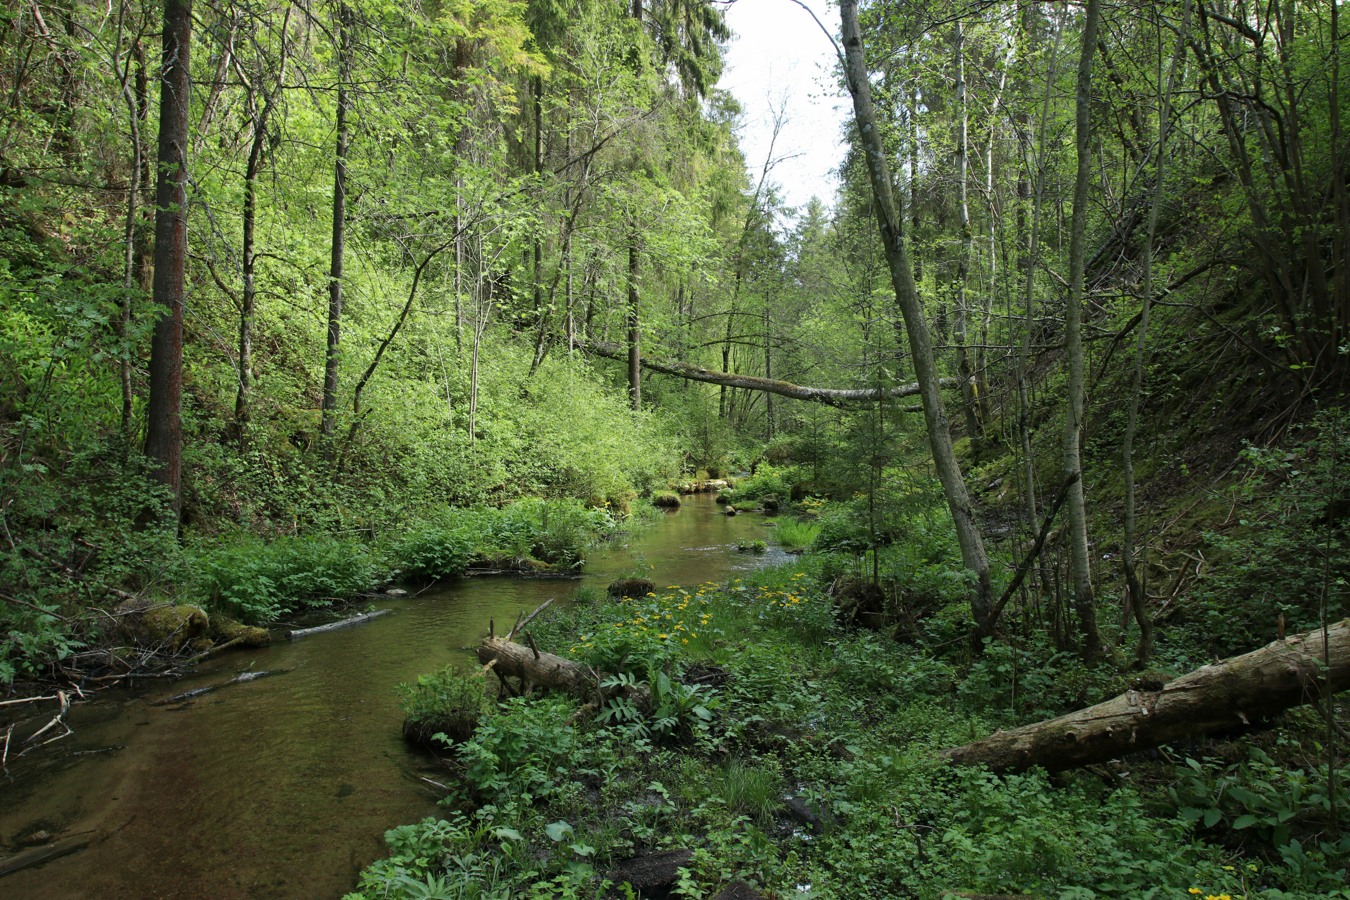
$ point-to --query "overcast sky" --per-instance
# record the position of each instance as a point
(779, 58)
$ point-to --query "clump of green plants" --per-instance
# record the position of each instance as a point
(548, 532)
(756, 547)
(440, 548)
(443, 707)
(769, 481)
(796, 535)
(256, 581)
(799, 756)
(666, 499)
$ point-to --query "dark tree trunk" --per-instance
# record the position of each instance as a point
(328, 422)
(164, 433)
(634, 329)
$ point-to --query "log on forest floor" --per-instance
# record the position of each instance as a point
(1235, 692)
(534, 669)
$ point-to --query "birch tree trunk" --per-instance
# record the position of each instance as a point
(1083, 599)
(916, 328)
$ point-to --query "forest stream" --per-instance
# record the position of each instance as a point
(283, 786)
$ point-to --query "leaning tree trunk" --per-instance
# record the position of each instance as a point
(1083, 599)
(915, 326)
(1235, 692)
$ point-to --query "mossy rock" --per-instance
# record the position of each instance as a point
(770, 503)
(166, 625)
(631, 587)
(225, 630)
(666, 499)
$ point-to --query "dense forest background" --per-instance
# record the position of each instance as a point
(413, 233)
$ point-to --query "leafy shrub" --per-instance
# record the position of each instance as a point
(256, 582)
(439, 549)
(1261, 802)
(768, 481)
(446, 700)
(521, 755)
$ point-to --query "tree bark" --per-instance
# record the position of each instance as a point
(164, 430)
(332, 358)
(1083, 599)
(907, 298)
(838, 397)
(1229, 694)
(249, 247)
(634, 328)
(534, 668)
(1136, 599)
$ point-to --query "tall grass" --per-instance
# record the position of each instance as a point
(794, 534)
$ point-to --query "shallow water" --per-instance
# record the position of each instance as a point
(283, 786)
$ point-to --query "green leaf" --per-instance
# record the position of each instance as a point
(507, 834)
(1244, 821)
(557, 831)
(1212, 816)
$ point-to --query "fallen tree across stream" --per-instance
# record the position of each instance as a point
(838, 397)
(1228, 694)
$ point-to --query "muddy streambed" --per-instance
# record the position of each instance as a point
(283, 786)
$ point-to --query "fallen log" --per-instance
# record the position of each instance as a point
(533, 668)
(837, 397)
(1235, 692)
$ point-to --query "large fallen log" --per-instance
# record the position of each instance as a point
(1225, 695)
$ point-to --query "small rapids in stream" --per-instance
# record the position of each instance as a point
(283, 786)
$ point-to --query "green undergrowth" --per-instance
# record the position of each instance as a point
(798, 756)
(259, 581)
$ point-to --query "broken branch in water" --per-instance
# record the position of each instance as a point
(334, 626)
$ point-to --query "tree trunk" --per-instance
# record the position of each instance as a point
(634, 329)
(164, 431)
(328, 423)
(1080, 563)
(907, 297)
(960, 313)
(249, 247)
(1233, 693)
(1134, 585)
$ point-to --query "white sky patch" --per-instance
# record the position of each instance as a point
(779, 59)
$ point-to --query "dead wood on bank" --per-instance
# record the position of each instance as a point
(1235, 692)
